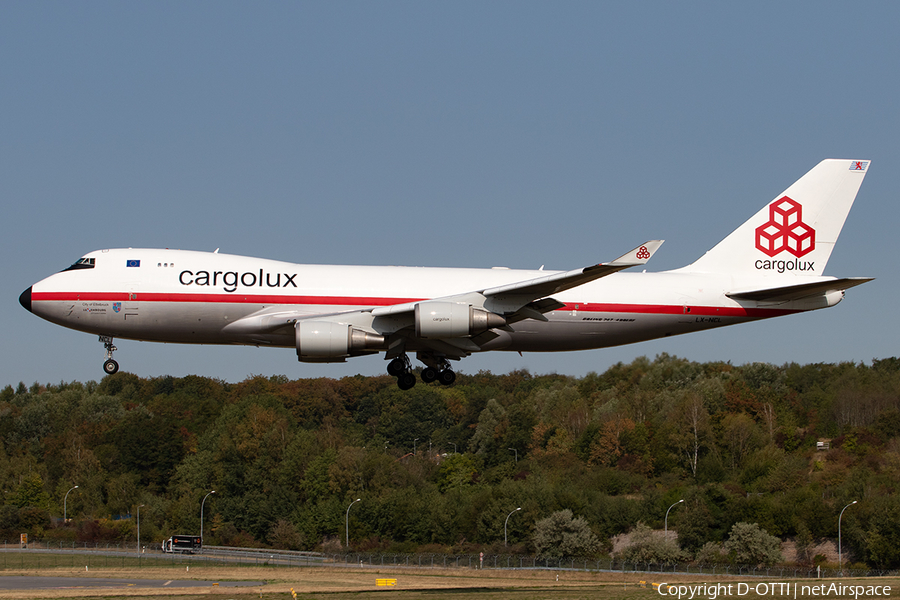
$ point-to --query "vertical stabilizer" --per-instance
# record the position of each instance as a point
(795, 233)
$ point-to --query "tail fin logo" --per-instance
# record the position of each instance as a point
(785, 230)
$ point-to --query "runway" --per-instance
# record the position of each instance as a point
(17, 582)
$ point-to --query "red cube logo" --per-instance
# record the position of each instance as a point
(801, 238)
(785, 230)
(785, 212)
(770, 239)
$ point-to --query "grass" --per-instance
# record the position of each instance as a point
(329, 583)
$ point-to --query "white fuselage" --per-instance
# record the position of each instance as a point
(192, 297)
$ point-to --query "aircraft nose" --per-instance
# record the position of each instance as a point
(25, 299)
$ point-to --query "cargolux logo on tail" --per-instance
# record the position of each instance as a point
(785, 230)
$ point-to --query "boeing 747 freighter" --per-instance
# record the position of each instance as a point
(770, 266)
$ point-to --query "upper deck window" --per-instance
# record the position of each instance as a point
(82, 263)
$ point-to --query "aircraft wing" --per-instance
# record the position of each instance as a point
(512, 297)
(509, 303)
(552, 284)
(279, 317)
(797, 292)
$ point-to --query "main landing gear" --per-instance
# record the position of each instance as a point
(110, 367)
(439, 371)
(401, 369)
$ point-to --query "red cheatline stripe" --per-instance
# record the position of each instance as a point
(354, 301)
(218, 298)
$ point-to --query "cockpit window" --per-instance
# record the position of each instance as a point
(81, 263)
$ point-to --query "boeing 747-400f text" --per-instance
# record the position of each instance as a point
(770, 266)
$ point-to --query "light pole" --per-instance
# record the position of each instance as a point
(840, 555)
(667, 517)
(507, 521)
(201, 516)
(454, 448)
(414, 446)
(66, 505)
(517, 453)
(139, 528)
(347, 522)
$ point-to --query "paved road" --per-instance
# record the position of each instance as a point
(43, 583)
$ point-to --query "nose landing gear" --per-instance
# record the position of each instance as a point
(110, 367)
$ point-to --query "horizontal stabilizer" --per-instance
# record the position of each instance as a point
(797, 292)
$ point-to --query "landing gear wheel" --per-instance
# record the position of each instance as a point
(396, 367)
(429, 374)
(447, 377)
(406, 381)
(110, 367)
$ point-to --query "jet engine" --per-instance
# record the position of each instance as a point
(450, 320)
(324, 341)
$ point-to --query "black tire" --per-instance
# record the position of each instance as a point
(396, 367)
(429, 374)
(406, 381)
(111, 367)
(447, 377)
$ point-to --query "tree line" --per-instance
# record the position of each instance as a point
(441, 469)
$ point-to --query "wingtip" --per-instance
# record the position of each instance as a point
(639, 255)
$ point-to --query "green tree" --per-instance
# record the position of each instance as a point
(749, 544)
(562, 534)
(646, 547)
(30, 493)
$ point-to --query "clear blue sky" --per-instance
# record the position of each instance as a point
(469, 134)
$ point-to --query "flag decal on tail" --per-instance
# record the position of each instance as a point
(859, 165)
(785, 230)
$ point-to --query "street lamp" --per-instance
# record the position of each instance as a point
(507, 521)
(517, 453)
(201, 516)
(139, 528)
(667, 517)
(347, 521)
(840, 555)
(66, 505)
(414, 446)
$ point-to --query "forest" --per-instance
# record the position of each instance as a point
(443, 469)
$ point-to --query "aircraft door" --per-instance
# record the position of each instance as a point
(130, 307)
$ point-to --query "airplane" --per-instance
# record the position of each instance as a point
(770, 266)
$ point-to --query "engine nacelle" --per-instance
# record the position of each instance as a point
(450, 319)
(320, 341)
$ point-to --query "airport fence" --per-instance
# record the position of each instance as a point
(518, 561)
(46, 555)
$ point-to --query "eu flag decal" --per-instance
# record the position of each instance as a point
(132, 263)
